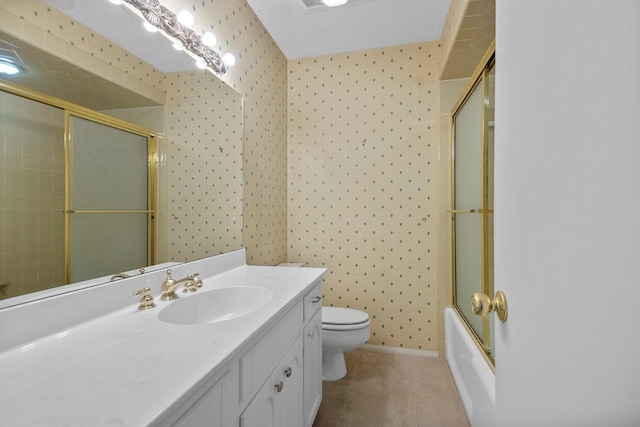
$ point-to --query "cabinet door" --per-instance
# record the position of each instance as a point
(279, 402)
(312, 368)
(214, 408)
(291, 395)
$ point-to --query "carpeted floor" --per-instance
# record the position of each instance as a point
(389, 390)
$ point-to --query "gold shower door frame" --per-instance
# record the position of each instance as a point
(478, 79)
(71, 109)
(109, 121)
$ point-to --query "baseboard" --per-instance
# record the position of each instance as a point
(399, 350)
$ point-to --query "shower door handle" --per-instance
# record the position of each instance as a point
(482, 305)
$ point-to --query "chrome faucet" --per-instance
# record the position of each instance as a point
(191, 283)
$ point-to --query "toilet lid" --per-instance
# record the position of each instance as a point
(343, 316)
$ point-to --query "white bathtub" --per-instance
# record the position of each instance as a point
(472, 374)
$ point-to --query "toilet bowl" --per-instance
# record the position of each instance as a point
(343, 329)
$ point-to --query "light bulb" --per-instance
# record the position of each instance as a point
(178, 46)
(116, 1)
(228, 59)
(334, 3)
(185, 18)
(201, 64)
(208, 39)
(149, 27)
(7, 67)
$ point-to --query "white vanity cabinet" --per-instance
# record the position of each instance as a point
(312, 336)
(216, 408)
(298, 401)
(275, 382)
(278, 403)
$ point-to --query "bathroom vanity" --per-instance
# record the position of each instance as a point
(243, 350)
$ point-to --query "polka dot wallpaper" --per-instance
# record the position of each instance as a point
(204, 166)
(260, 75)
(362, 184)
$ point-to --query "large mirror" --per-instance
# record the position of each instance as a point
(194, 116)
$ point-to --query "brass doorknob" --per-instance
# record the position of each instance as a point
(482, 305)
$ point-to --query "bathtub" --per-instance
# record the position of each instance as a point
(472, 374)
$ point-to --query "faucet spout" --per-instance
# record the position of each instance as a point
(191, 283)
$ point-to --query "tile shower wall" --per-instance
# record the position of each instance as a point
(363, 193)
(31, 196)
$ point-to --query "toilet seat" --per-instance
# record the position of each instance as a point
(344, 319)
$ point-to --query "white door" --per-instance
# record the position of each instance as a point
(567, 212)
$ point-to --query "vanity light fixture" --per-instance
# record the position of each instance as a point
(176, 27)
(9, 68)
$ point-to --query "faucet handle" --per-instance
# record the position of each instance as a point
(192, 283)
(146, 301)
(197, 280)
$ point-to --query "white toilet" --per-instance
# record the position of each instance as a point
(343, 329)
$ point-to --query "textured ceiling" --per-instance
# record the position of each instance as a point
(359, 25)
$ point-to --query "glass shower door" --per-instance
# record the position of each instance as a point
(110, 206)
(472, 211)
(467, 206)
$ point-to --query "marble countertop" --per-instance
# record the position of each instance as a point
(127, 367)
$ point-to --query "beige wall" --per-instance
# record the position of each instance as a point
(363, 192)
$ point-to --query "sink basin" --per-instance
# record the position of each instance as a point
(217, 305)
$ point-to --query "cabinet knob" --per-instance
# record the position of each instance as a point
(288, 372)
(311, 335)
(279, 386)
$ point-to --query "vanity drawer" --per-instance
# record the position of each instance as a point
(258, 363)
(312, 301)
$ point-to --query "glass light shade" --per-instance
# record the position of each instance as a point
(333, 3)
(185, 18)
(228, 59)
(7, 67)
(209, 39)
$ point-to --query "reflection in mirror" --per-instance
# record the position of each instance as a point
(196, 117)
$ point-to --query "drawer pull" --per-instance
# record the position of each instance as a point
(288, 372)
(311, 335)
(316, 300)
(279, 386)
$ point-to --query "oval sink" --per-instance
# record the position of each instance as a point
(217, 305)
